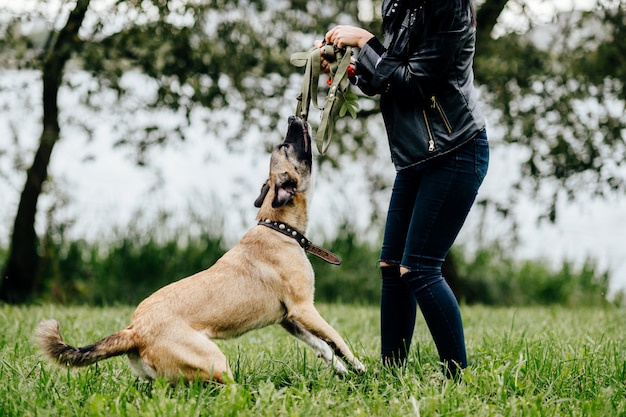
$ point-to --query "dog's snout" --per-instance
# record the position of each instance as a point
(295, 122)
(296, 129)
(298, 136)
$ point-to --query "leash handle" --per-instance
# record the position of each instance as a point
(334, 100)
(339, 62)
(311, 62)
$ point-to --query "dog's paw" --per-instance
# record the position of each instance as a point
(358, 365)
(339, 367)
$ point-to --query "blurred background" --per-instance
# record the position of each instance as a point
(134, 138)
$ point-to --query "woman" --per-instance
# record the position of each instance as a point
(423, 72)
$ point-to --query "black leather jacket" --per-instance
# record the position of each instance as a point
(424, 75)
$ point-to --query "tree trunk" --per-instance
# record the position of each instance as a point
(487, 17)
(19, 281)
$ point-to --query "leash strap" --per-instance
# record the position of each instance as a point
(339, 62)
(305, 243)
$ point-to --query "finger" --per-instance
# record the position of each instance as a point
(327, 36)
(331, 35)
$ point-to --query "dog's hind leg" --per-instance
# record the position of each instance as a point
(322, 350)
(193, 357)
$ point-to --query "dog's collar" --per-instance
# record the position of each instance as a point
(306, 244)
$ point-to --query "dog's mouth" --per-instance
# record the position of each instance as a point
(298, 135)
(306, 136)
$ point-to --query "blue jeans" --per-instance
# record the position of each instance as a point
(429, 204)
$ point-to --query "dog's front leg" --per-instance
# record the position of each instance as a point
(310, 320)
(322, 350)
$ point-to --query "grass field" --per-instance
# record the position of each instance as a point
(523, 362)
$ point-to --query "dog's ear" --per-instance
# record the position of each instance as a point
(264, 189)
(284, 190)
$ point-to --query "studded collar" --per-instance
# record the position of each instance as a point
(305, 243)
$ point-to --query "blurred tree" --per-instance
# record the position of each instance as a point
(234, 54)
(19, 275)
(218, 54)
(558, 90)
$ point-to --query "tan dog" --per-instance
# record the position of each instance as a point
(265, 279)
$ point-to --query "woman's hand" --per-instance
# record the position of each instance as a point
(343, 35)
(324, 64)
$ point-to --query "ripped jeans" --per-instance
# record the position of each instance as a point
(429, 204)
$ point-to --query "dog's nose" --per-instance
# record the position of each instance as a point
(292, 119)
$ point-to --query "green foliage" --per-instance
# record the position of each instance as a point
(559, 92)
(4, 253)
(216, 55)
(129, 266)
(492, 277)
(356, 280)
(145, 256)
(523, 362)
(234, 55)
(230, 55)
(349, 105)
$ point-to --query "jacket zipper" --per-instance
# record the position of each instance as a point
(435, 105)
(431, 141)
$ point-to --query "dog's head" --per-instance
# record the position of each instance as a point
(290, 173)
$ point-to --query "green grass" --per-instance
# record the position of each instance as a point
(540, 361)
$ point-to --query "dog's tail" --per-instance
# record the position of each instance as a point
(52, 345)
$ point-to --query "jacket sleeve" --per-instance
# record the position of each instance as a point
(366, 62)
(430, 57)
